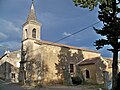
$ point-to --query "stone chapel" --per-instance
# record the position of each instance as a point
(49, 62)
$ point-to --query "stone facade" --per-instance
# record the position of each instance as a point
(46, 62)
(53, 58)
(93, 69)
(9, 66)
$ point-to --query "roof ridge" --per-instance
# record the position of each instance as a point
(63, 45)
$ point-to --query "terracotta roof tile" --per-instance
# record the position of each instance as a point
(89, 61)
(63, 45)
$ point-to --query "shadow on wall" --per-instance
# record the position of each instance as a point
(35, 68)
(67, 67)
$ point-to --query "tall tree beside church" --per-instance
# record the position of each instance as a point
(108, 14)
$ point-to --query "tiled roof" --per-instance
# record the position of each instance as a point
(14, 54)
(11, 58)
(3, 56)
(63, 45)
(110, 59)
(89, 61)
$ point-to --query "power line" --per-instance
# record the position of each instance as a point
(71, 34)
(76, 32)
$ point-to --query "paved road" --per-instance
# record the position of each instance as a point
(10, 86)
(6, 86)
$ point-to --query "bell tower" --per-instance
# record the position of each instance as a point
(31, 28)
(31, 32)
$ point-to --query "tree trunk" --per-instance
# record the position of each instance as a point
(115, 51)
(114, 69)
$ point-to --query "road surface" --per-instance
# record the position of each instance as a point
(11, 86)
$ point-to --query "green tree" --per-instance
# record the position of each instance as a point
(108, 14)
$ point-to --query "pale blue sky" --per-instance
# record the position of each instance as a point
(59, 18)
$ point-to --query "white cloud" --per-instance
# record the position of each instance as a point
(10, 35)
(8, 28)
(3, 36)
(12, 45)
(66, 34)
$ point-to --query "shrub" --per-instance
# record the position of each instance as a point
(76, 80)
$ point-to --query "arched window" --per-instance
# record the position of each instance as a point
(26, 33)
(87, 74)
(34, 33)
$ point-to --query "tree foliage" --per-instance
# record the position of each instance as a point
(91, 4)
(108, 14)
(111, 28)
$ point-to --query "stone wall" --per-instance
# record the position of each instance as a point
(52, 56)
(90, 54)
(92, 73)
(47, 62)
